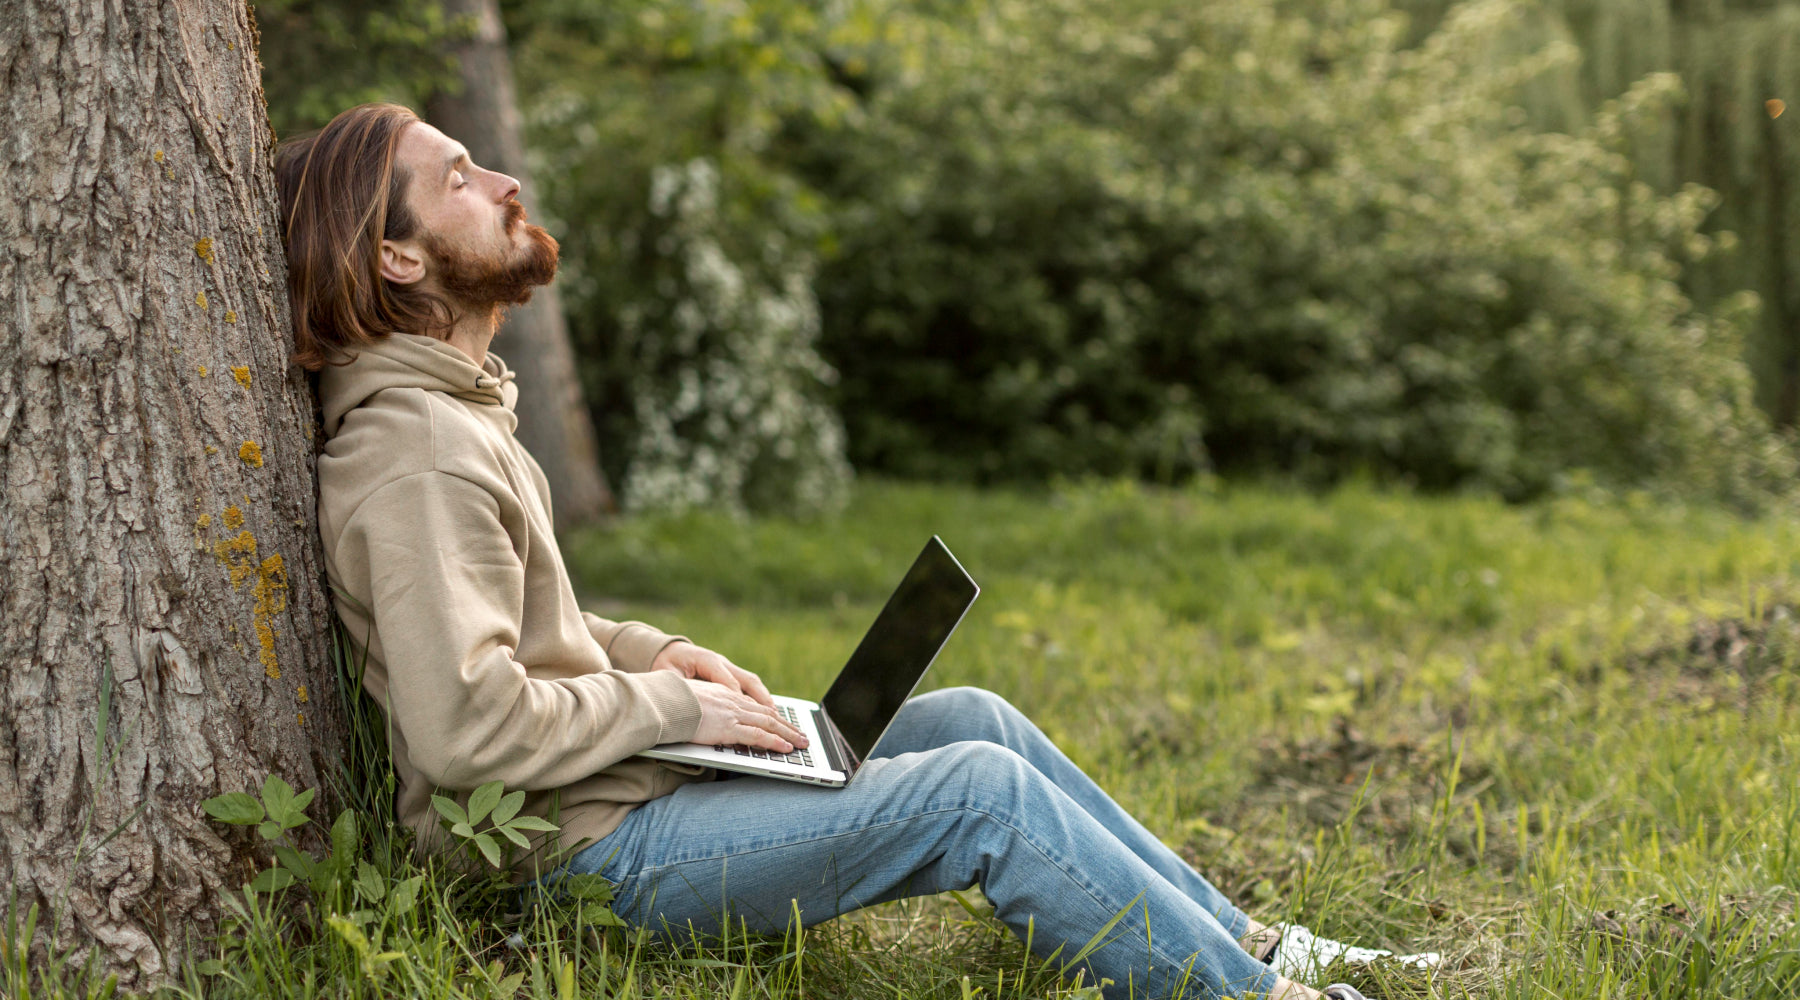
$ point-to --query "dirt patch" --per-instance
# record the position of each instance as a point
(1672, 935)
(1740, 646)
(1728, 660)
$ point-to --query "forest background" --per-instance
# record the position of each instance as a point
(1491, 246)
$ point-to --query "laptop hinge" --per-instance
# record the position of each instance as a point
(837, 751)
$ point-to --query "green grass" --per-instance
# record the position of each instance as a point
(1557, 742)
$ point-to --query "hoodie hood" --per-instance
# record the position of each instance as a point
(412, 361)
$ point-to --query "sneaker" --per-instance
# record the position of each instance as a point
(1302, 955)
(1343, 991)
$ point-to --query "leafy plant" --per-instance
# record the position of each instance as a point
(490, 802)
(278, 810)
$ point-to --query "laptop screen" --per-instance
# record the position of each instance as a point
(899, 647)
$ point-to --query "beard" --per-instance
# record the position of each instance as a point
(479, 283)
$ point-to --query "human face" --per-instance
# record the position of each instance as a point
(473, 243)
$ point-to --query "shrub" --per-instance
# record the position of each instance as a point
(1140, 236)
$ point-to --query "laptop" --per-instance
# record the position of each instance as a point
(888, 664)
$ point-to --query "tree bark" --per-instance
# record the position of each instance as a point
(157, 525)
(553, 420)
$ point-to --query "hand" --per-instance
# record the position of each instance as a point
(699, 663)
(733, 719)
(735, 707)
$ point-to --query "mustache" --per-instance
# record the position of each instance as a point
(515, 214)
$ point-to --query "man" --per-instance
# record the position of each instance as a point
(437, 530)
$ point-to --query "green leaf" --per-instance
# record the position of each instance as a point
(277, 795)
(533, 823)
(483, 801)
(272, 879)
(369, 883)
(406, 894)
(463, 830)
(513, 835)
(294, 861)
(296, 812)
(234, 807)
(508, 807)
(344, 839)
(599, 915)
(448, 809)
(211, 967)
(489, 849)
(269, 829)
(592, 887)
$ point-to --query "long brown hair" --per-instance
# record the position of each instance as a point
(342, 193)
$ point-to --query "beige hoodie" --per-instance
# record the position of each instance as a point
(439, 548)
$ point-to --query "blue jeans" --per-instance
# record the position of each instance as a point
(962, 790)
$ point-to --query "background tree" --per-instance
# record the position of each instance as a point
(692, 254)
(1733, 57)
(482, 112)
(162, 625)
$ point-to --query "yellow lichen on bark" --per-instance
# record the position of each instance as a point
(251, 454)
(202, 371)
(271, 600)
(200, 299)
(234, 518)
(157, 156)
(300, 694)
(242, 374)
(239, 556)
(231, 316)
(203, 249)
(269, 589)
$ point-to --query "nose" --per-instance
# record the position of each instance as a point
(509, 188)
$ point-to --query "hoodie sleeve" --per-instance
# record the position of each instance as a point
(631, 646)
(448, 594)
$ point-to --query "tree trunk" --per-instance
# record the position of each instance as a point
(553, 421)
(1780, 318)
(157, 529)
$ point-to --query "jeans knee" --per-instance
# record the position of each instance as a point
(967, 703)
(991, 778)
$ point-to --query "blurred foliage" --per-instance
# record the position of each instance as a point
(322, 56)
(1143, 237)
(690, 256)
(1014, 240)
(1732, 56)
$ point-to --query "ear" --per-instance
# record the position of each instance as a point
(401, 262)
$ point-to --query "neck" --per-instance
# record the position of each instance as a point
(473, 332)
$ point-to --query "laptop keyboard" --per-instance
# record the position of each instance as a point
(799, 756)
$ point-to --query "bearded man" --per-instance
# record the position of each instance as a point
(403, 256)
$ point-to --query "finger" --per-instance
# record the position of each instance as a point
(770, 721)
(754, 736)
(752, 685)
(717, 669)
(722, 677)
